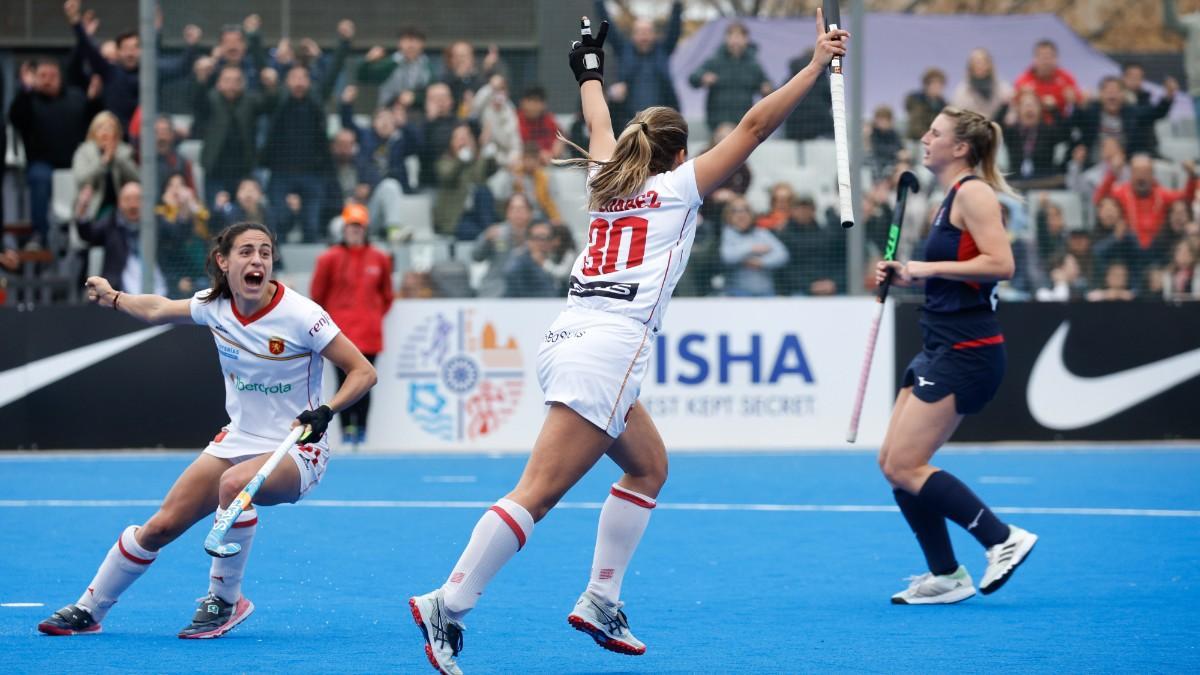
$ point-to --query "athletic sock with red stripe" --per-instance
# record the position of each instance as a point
(125, 562)
(225, 576)
(950, 497)
(623, 519)
(930, 528)
(500, 533)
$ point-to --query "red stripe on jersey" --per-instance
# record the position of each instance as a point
(220, 436)
(967, 249)
(247, 320)
(132, 557)
(981, 342)
(512, 524)
(632, 497)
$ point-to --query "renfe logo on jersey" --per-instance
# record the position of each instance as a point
(464, 378)
(604, 289)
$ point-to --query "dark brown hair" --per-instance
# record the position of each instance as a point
(223, 245)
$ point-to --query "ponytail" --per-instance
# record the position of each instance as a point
(987, 163)
(222, 246)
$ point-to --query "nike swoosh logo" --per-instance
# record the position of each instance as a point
(17, 383)
(1059, 399)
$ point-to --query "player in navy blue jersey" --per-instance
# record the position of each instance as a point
(961, 365)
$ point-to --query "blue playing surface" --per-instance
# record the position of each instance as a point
(1113, 586)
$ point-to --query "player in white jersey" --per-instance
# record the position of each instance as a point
(643, 197)
(270, 341)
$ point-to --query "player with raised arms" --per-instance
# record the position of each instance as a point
(961, 365)
(271, 343)
(643, 196)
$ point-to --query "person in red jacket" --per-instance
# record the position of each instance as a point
(353, 282)
(1055, 87)
(1143, 200)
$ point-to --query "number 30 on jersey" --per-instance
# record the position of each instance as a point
(616, 245)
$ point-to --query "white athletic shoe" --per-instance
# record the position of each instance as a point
(606, 624)
(1004, 558)
(933, 589)
(443, 635)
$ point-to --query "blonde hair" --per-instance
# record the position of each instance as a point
(647, 146)
(101, 118)
(984, 138)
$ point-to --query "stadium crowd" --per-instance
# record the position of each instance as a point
(1104, 215)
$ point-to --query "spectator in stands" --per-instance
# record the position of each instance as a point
(52, 120)
(1111, 116)
(353, 282)
(562, 256)
(815, 254)
(1116, 242)
(924, 105)
(1133, 77)
(1180, 280)
(883, 142)
(813, 116)
(1179, 215)
(1031, 135)
(732, 76)
(1051, 229)
(170, 162)
(118, 233)
(734, 186)
(296, 149)
(500, 130)
(1116, 284)
(405, 75)
(643, 76)
(248, 205)
(1142, 199)
(538, 124)
(418, 285)
(525, 275)
(982, 90)
(463, 206)
(1055, 87)
(498, 243)
(102, 165)
(1066, 280)
(435, 129)
(241, 47)
(780, 209)
(229, 114)
(376, 173)
(464, 76)
(529, 176)
(182, 238)
(120, 77)
(1084, 176)
(1187, 26)
(750, 254)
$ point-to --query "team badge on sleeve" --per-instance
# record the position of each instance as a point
(275, 345)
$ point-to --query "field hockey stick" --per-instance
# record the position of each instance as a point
(213, 542)
(907, 182)
(837, 89)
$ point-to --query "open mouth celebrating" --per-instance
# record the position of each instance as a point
(254, 280)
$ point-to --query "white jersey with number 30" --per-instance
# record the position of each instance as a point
(271, 361)
(637, 248)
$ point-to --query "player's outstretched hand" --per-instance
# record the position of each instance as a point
(316, 423)
(100, 291)
(829, 43)
(587, 53)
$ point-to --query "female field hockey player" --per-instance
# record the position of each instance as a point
(270, 342)
(643, 195)
(961, 365)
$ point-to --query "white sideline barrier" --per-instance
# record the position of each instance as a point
(776, 373)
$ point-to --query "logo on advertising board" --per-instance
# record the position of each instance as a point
(463, 377)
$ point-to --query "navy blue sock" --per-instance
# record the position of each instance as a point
(950, 497)
(930, 529)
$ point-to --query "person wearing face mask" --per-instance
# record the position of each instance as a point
(1143, 199)
(463, 205)
(272, 344)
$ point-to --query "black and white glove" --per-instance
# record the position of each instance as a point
(587, 53)
(315, 423)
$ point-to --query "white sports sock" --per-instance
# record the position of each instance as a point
(622, 522)
(499, 534)
(225, 576)
(125, 562)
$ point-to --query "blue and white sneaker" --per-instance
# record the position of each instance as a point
(443, 635)
(606, 623)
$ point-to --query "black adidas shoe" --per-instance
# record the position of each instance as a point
(70, 620)
(215, 617)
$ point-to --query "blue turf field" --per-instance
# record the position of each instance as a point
(711, 590)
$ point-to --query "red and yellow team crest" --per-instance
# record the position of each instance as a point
(275, 345)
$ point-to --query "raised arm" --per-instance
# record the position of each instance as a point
(714, 166)
(1171, 20)
(154, 309)
(674, 27)
(84, 42)
(587, 62)
(618, 38)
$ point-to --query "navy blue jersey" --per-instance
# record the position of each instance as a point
(947, 242)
